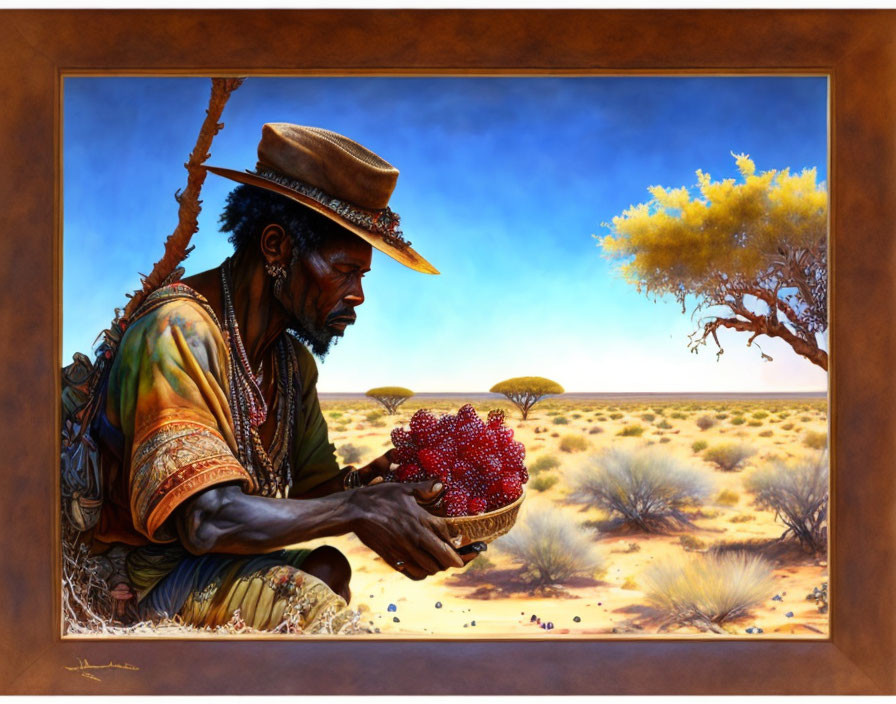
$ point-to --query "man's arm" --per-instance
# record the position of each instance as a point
(386, 517)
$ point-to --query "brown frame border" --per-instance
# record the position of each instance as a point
(855, 48)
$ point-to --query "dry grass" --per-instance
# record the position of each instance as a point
(728, 457)
(552, 548)
(798, 494)
(647, 489)
(708, 590)
(573, 443)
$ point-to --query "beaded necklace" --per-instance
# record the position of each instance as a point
(270, 468)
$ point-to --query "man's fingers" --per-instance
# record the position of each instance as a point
(427, 491)
(440, 550)
(442, 529)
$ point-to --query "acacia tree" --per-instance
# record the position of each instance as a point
(751, 254)
(525, 391)
(391, 397)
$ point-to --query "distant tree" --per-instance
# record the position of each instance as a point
(757, 249)
(525, 391)
(391, 397)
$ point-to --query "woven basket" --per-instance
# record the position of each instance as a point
(486, 527)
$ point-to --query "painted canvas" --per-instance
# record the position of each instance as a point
(614, 389)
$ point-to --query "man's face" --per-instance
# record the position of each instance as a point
(323, 288)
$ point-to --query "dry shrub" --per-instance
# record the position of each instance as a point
(691, 544)
(705, 422)
(798, 494)
(561, 420)
(543, 482)
(815, 441)
(594, 430)
(631, 431)
(699, 445)
(737, 420)
(728, 457)
(664, 424)
(552, 548)
(787, 426)
(573, 443)
(647, 489)
(544, 463)
(726, 497)
(350, 454)
(708, 589)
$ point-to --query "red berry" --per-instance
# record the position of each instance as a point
(424, 428)
(402, 438)
(405, 455)
(495, 418)
(505, 436)
(456, 502)
(409, 473)
(466, 414)
(476, 505)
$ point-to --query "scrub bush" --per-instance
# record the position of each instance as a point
(552, 548)
(708, 590)
(647, 489)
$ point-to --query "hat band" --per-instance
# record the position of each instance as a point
(382, 222)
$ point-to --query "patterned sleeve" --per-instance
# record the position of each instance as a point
(314, 456)
(171, 381)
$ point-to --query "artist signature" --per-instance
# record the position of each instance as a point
(86, 669)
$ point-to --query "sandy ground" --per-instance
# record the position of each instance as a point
(489, 600)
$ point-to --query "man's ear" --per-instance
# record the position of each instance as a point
(276, 245)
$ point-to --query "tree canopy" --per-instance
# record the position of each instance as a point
(525, 391)
(391, 397)
(752, 254)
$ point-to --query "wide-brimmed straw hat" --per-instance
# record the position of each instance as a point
(336, 177)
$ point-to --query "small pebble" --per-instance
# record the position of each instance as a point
(600, 603)
(777, 597)
(472, 623)
(396, 619)
(533, 619)
(438, 604)
(376, 630)
(371, 596)
(789, 614)
(576, 619)
(392, 607)
(466, 624)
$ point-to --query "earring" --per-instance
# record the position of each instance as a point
(278, 273)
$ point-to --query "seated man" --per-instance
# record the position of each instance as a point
(216, 452)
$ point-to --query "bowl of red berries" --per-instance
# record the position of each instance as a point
(479, 463)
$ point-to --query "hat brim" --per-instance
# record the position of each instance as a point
(406, 255)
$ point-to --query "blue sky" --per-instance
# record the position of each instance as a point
(503, 183)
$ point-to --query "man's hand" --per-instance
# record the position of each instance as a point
(394, 525)
(373, 472)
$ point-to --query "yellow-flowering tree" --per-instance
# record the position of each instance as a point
(752, 254)
(525, 391)
(391, 397)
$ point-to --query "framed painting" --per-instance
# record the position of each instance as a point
(57, 75)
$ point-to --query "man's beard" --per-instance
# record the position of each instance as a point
(317, 340)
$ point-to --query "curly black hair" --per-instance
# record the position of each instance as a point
(250, 209)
